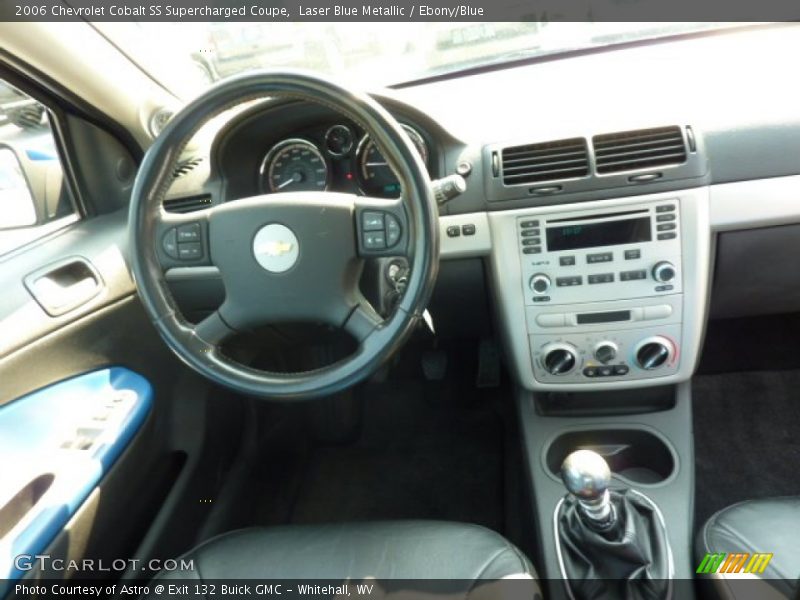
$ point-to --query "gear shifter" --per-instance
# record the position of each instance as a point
(612, 544)
(586, 475)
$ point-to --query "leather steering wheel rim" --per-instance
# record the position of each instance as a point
(147, 218)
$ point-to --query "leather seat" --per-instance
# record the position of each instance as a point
(756, 526)
(381, 550)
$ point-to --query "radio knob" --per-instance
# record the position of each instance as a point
(559, 359)
(654, 352)
(664, 271)
(605, 352)
(539, 284)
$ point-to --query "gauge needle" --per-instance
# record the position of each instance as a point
(285, 183)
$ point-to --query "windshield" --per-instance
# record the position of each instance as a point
(186, 57)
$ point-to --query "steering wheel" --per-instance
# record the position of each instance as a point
(284, 257)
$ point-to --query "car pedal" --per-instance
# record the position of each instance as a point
(488, 364)
(434, 364)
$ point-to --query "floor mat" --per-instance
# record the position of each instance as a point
(747, 438)
(424, 453)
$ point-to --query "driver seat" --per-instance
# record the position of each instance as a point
(462, 553)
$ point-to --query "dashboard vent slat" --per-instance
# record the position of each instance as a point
(547, 161)
(187, 204)
(185, 167)
(639, 149)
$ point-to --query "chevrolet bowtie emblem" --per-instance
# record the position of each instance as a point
(275, 248)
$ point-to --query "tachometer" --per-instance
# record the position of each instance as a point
(294, 165)
(375, 177)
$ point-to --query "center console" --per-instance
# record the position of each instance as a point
(608, 294)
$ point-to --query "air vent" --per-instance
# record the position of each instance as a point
(185, 167)
(548, 161)
(187, 204)
(640, 149)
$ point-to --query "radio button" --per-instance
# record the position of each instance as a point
(601, 278)
(664, 218)
(569, 281)
(667, 236)
(665, 208)
(529, 232)
(666, 227)
(599, 258)
(633, 254)
(532, 250)
(566, 261)
(541, 298)
(551, 320)
(529, 224)
(531, 242)
(633, 275)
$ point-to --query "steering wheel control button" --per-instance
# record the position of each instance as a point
(393, 230)
(453, 231)
(468, 229)
(276, 248)
(374, 240)
(372, 221)
(190, 251)
(189, 232)
(170, 243)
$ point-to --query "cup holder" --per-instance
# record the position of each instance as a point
(633, 454)
(23, 501)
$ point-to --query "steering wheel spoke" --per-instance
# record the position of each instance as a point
(182, 239)
(213, 330)
(363, 322)
(381, 227)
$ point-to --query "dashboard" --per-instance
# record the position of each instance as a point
(606, 227)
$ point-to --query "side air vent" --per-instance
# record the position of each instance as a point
(187, 204)
(185, 167)
(640, 149)
(562, 159)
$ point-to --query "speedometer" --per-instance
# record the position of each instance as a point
(294, 165)
(375, 177)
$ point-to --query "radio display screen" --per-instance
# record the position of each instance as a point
(591, 235)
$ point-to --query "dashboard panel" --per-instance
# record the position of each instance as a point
(304, 147)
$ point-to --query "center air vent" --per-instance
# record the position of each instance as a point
(547, 161)
(640, 149)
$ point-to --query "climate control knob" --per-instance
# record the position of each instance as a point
(559, 359)
(605, 352)
(664, 271)
(654, 352)
(539, 284)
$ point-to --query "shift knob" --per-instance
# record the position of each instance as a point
(586, 475)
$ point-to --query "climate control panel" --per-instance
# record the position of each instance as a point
(615, 355)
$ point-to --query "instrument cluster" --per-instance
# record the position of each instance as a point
(337, 157)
